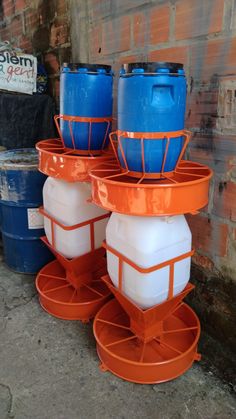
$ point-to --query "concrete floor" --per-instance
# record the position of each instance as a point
(49, 370)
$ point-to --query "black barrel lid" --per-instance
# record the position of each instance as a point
(153, 67)
(90, 67)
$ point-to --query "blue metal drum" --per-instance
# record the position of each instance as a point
(151, 98)
(85, 91)
(22, 226)
(1, 150)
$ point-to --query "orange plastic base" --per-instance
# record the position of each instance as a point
(61, 299)
(186, 191)
(59, 162)
(146, 346)
(159, 360)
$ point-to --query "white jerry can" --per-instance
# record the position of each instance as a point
(148, 241)
(68, 204)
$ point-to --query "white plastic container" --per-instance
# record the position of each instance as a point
(68, 204)
(148, 241)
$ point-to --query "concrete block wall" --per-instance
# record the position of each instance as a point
(40, 27)
(202, 35)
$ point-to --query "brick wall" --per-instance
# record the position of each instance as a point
(40, 27)
(202, 35)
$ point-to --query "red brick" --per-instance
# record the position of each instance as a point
(31, 20)
(151, 27)
(203, 261)
(61, 7)
(116, 35)
(129, 4)
(16, 26)
(5, 34)
(209, 236)
(225, 200)
(141, 29)
(219, 149)
(129, 59)
(159, 24)
(47, 11)
(213, 58)
(95, 41)
(59, 33)
(99, 9)
(20, 5)
(26, 45)
(234, 234)
(202, 110)
(195, 18)
(200, 155)
(177, 54)
(8, 8)
(51, 63)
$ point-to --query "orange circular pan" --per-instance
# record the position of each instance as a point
(186, 191)
(60, 299)
(161, 359)
(61, 163)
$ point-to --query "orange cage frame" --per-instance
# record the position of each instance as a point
(90, 222)
(171, 262)
(147, 136)
(88, 120)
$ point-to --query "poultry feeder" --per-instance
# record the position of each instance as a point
(147, 334)
(71, 287)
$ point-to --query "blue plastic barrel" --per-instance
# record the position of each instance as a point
(151, 98)
(85, 91)
(22, 226)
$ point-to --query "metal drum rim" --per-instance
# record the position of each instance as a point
(11, 165)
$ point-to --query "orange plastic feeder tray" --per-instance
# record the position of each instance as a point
(185, 191)
(61, 299)
(147, 346)
(165, 357)
(68, 164)
(72, 289)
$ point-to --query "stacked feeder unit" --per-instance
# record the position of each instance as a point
(145, 334)
(71, 287)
